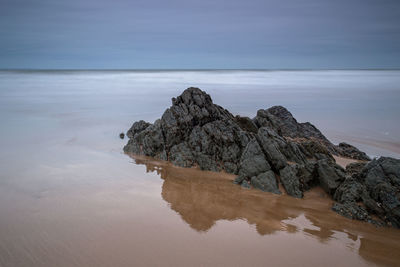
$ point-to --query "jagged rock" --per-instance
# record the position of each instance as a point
(352, 211)
(330, 176)
(148, 141)
(350, 151)
(355, 168)
(377, 186)
(137, 127)
(283, 122)
(192, 131)
(246, 124)
(382, 170)
(196, 132)
(181, 155)
(290, 181)
(266, 181)
(349, 191)
(349, 194)
(382, 180)
(265, 119)
(279, 150)
(314, 149)
(298, 178)
(271, 144)
(307, 174)
(253, 161)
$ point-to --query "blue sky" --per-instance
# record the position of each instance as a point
(186, 34)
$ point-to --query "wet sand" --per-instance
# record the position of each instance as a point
(70, 197)
(345, 161)
(204, 198)
(374, 146)
(162, 215)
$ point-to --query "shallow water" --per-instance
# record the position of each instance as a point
(70, 197)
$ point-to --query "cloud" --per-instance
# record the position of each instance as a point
(200, 34)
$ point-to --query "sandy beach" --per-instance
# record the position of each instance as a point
(69, 196)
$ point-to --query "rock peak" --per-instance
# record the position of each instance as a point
(193, 95)
(281, 112)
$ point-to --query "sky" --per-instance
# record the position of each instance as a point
(200, 34)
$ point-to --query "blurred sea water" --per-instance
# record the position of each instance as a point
(357, 106)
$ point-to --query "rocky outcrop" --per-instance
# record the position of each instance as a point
(374, 189)
(350, 151)
(283, 122)
(269, 149)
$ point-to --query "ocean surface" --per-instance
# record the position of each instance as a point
(70, 197)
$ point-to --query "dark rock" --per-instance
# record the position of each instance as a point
(376, 186)
(253, 161)
(149, 142)
(352, 152)
(265, 119)
(352, 211)
(283, 122)
(181, 155)
(290, 181)
(246, 124)
(298, 178)
(192, 131)
(355, 168)
(349, 191)
(307, 174)
(137, 127)
(266, 182)
(314, 149)
(122, 135)
(272, 144)
(382, 170)
(245, 184)
(382, 180)
(278, 150)
(196, 132)
(330, 176)
(286, 125)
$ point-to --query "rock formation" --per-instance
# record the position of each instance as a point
(269, 149)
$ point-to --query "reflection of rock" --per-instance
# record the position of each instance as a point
(269, 149)
(203, 198)
(380, 250)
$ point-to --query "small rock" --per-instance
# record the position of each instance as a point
(352, 211)
(355, 168)
(330, 176)
(122, 135)
(266, 182)
(291, 181)
(245, 184)
(352, 152)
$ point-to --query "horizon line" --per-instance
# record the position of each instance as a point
(194, 69)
